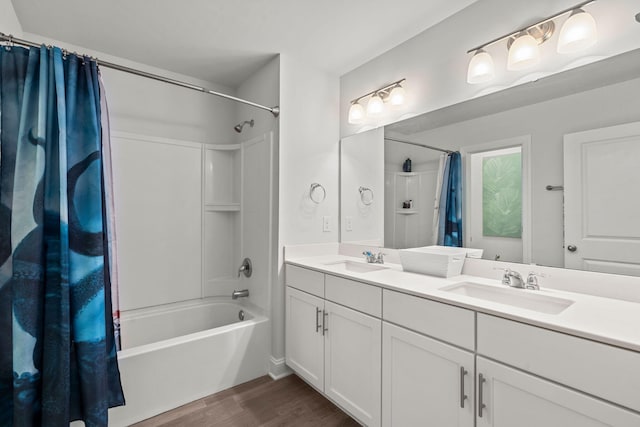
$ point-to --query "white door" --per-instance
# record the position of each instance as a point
(353, 362)
(513, 398)
(424, 382)
(602, 207)
(497, 199)
(304, 346)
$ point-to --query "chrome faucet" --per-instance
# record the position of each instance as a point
(513, 279)
(240, 294)
(374, 258)
(246, 268)
(532, 282)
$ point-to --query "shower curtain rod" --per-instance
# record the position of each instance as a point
(273, 110)
(418, 144)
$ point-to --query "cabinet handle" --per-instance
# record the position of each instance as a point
(325, 318)
(318, 325)
(463, 396)
(481, 405)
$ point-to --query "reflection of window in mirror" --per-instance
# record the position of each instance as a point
(502, 193)
(495, 200)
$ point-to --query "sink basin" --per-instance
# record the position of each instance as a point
(522, 298)
(356, 267)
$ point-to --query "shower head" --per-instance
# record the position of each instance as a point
(238, 127)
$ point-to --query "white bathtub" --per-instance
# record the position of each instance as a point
(178, 353)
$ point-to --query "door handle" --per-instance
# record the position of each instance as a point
(318, 325)
(572, 248)
(463, 396)
(481, 405)
(325, 318)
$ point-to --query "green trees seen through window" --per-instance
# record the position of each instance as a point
(502, 195)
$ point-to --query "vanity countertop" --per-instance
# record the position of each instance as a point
(605, 320)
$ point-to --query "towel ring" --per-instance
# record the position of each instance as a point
(317, 193)
(366, 195)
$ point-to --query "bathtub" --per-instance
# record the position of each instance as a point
(178, 353)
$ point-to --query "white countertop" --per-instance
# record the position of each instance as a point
(605, 320)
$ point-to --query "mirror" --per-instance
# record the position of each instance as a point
(553, 121)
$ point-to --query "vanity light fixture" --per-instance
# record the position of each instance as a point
(375, 107)
(481, 68)
(392, 93)
(397, 96)
(577, 33)
(524, 51)
(356, 113)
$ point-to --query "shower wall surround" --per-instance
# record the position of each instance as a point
(182, 234)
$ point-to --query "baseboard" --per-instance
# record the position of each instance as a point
(278, 368)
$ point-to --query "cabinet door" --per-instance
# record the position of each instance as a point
(353, 362)
(304, 346)
(514, 398)
(424, 381)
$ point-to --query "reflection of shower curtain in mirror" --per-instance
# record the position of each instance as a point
(57, 348)
(450, 206)
(444, 158)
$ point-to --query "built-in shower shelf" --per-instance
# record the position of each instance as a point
(406, 211)
(224, 207)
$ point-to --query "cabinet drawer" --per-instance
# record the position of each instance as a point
(441, 321)
(357, 295)
(306, 280)
(599, 369)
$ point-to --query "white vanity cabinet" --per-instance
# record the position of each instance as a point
(425, 382)
(393, 359)
(332, 346)
(304, 336)
(556, 378)
(425, 379)
(508, 397)
(352, 362)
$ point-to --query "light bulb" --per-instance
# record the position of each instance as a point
(481, 68)
(397, 96)
(578, 32)
(375, 107)
(356, 114)
(523, 53)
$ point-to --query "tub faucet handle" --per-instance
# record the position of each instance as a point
(245, 268)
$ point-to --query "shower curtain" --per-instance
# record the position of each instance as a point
(57, 347)
(449, 214)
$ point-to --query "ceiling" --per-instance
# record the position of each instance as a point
(225, 41)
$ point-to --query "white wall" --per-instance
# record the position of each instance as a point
(308, 153)
(435, 62)
(9, 23)
(263, 87)
(546, 122)
(148, 107)
(362, 165)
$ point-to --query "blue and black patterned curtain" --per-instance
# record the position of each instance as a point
(57, 349)
(450, 219)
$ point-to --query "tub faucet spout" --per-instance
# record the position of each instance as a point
(238, 294)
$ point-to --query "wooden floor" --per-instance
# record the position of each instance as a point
(261, 402)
